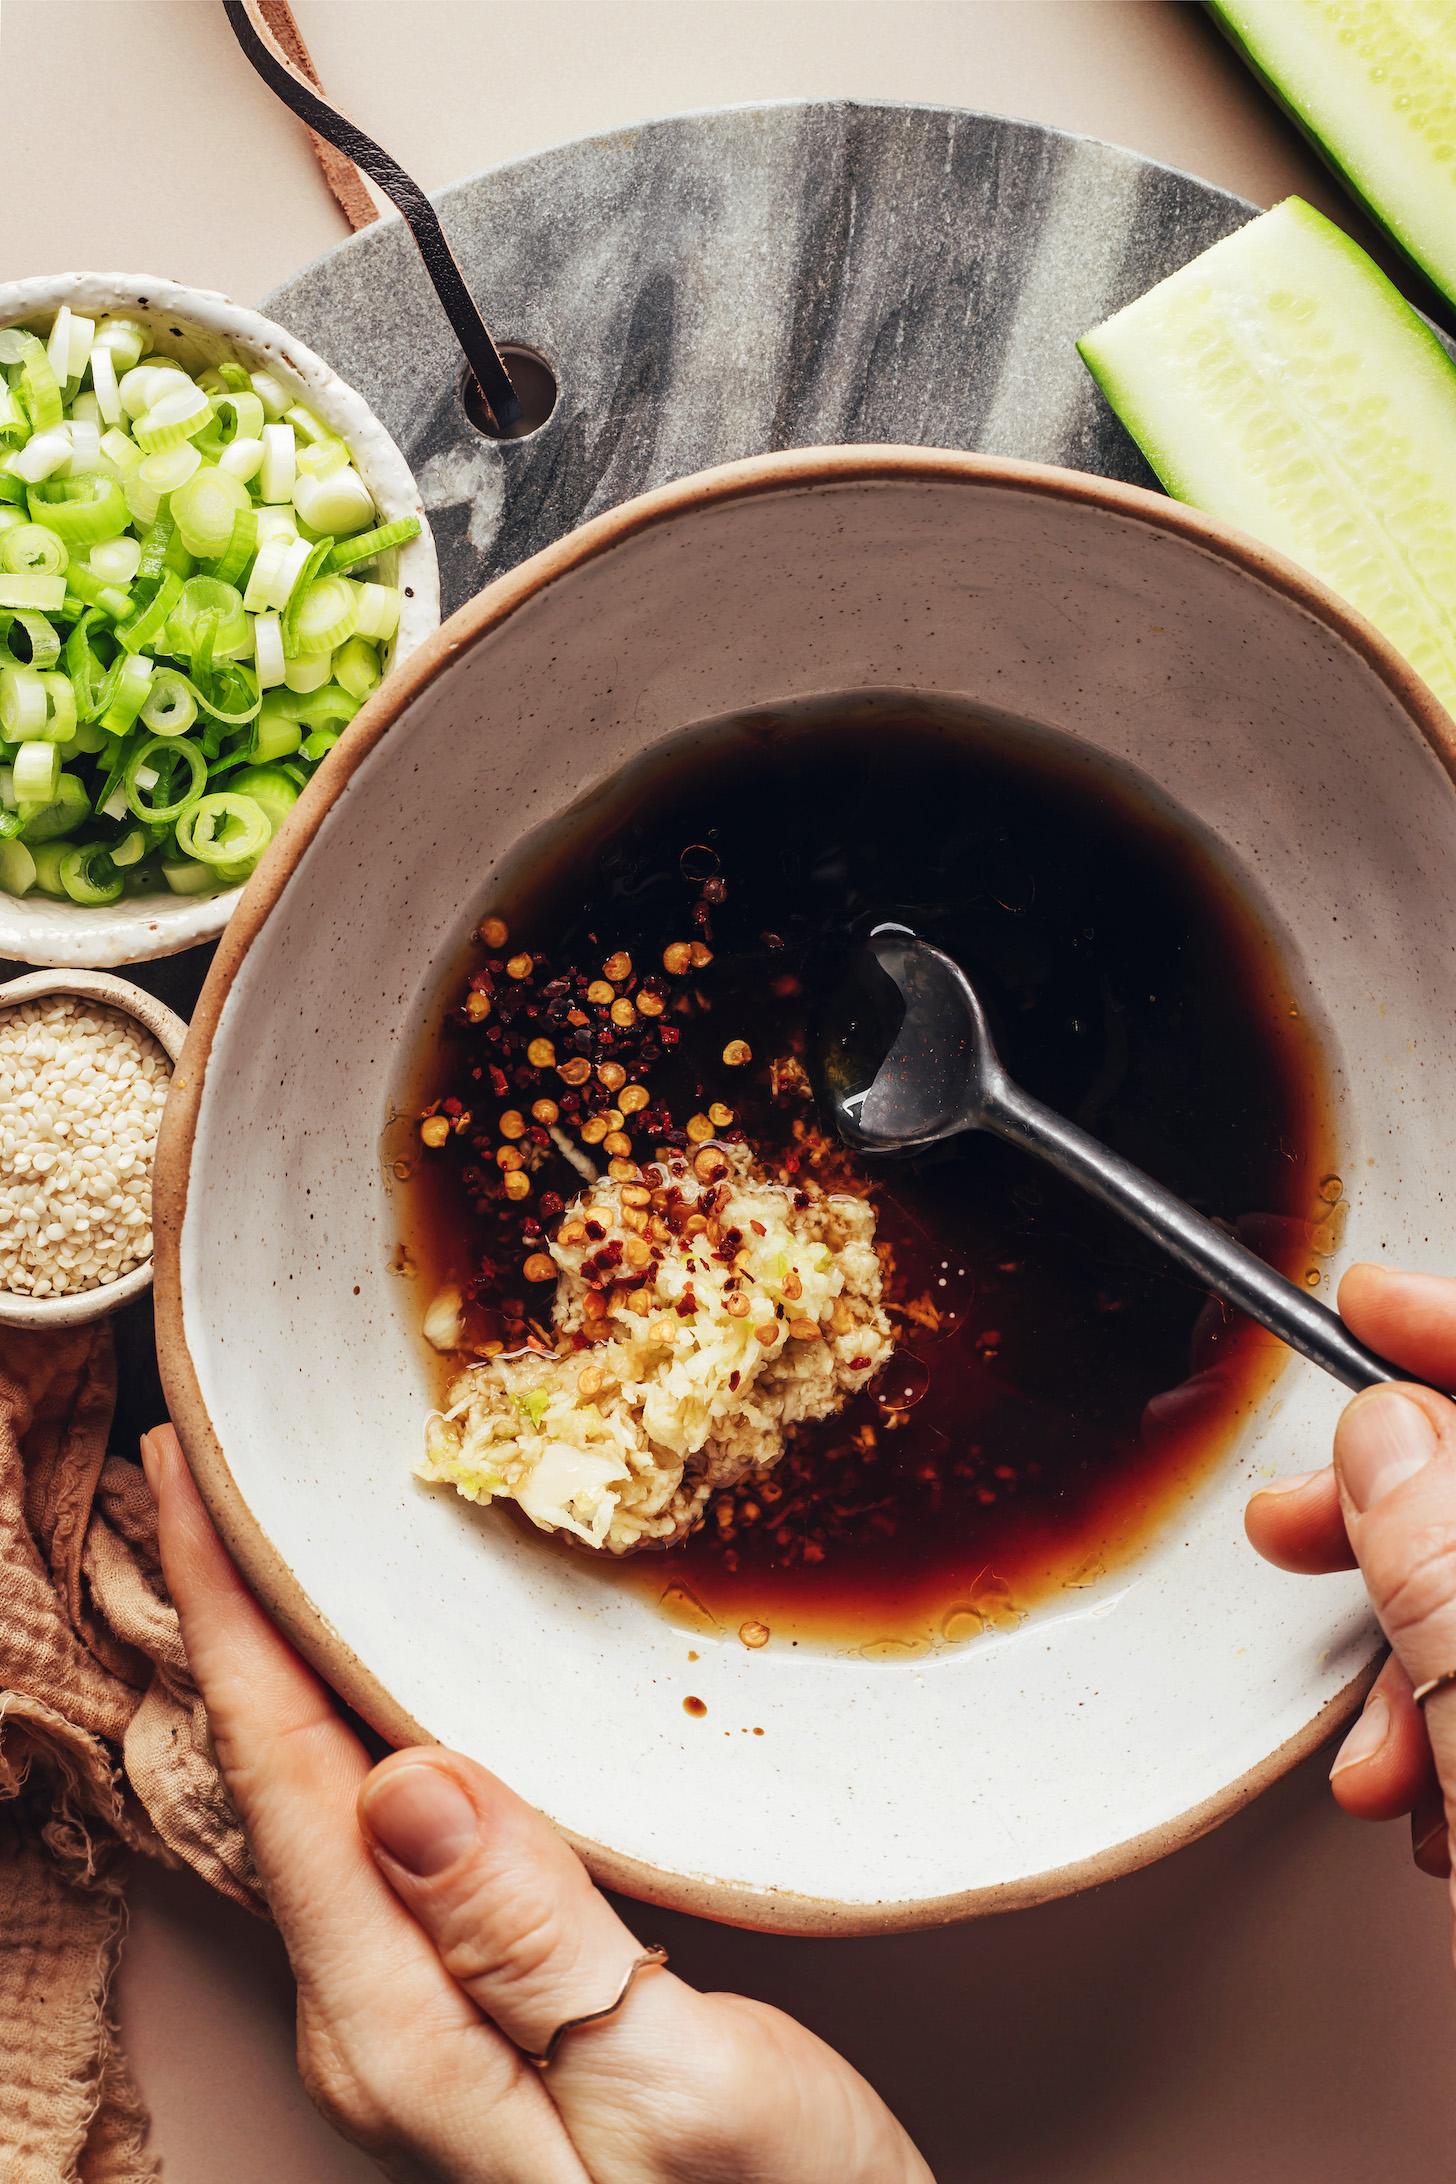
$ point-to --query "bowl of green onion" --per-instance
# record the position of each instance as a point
(211, 553)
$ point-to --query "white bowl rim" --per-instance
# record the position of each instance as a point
(135, 934)
(169, 1031)
(263, 1564)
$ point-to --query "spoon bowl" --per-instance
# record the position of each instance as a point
(907, 1060)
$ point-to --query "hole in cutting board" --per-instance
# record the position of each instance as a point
(535, 385)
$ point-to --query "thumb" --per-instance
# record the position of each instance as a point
(1395, 1459)
(509, 1907)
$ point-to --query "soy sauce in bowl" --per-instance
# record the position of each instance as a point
(1058, 1390)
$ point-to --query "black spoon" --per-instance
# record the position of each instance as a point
(938, 1073)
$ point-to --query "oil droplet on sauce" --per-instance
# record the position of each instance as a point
(695, 1707)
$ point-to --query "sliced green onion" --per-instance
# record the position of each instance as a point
(40, 635)
(17, 868)
(32, 547)
(185, 876)
(103, 381)
(60, 722)
(125, 701)
(47, 819)
(325, 459)
(232, 564)
(83, 509)
(271, 790)
(356, 668)
(267, 578)
(276, 734)
(85, 585)
(242, 459)
(371, 543)
(46, 592)
(241, 416)
(116, 560)
(46, 452)
(327, 613)
(149, 621)
(317, 554)
(203, 508)
(169, 468)
(9, 517)
(271, 393)
(152, 814)
(37, 772)
(47, 861)
(170, 708)
(319, 744)
(39, 387)
(309, 672)
(127, 340)
(89, 875)
(268, 651)
(121, 452)
(24, 705)
(339, 505)
(276, 477)
(85, 409)
(276, 523)
(86, 741)
(204, 597)
(179, 415)
(223, 829)
(131, 848)
(143, 386)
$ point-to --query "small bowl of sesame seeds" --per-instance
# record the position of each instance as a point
(85, 1065)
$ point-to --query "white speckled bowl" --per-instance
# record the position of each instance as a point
(169, 1031)
(1110, 1726)
(201, 328)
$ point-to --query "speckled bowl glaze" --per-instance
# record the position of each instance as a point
(169, 1031)
(1110, 1726)
(201, 328)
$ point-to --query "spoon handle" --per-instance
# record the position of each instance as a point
(1220, 1264)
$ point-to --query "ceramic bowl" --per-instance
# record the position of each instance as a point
(1111, 1725)
(200, 328)
(169, 1031)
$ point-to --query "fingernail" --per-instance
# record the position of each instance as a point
(421, 1816)
(1365, 1739)
(151, 1464)
(1382, 1439)
(1289, 1486)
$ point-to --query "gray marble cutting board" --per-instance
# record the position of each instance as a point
(716, 284)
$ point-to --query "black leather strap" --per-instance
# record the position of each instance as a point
(253, 35)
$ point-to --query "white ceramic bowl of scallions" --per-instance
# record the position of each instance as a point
(211, 552)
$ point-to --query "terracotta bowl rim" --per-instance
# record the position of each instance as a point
(262, 1564)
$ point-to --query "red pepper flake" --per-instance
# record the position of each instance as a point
(857, 1364)
(733, 1379)
(452, 1108)
(595, 1231)
(758, 1228)
(499, 1082)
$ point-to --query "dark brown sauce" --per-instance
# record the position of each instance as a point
(1058, 1389)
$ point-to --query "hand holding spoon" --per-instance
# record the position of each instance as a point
(942, 1075)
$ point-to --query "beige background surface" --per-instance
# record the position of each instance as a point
(1274, 2005)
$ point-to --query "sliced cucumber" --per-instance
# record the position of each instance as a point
(1279, 381)
(1373, 86)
